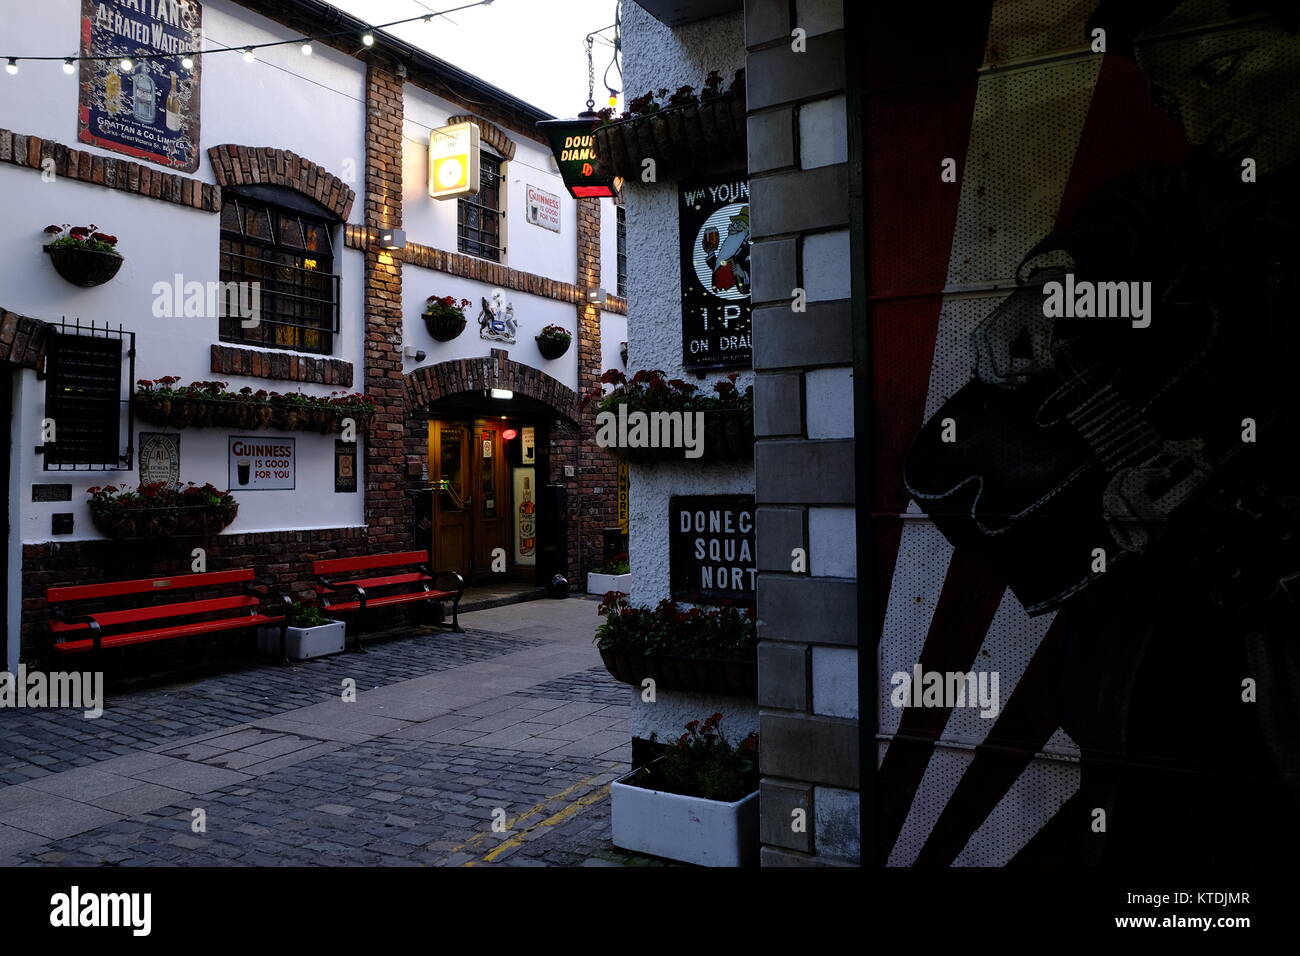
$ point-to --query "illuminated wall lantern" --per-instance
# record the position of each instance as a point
(573, 143)
(392, 239)
(453, 161)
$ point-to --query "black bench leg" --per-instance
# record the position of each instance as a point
(284, 642)
(455, 615)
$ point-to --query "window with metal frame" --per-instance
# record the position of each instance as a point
(86, 394)
(290, 256)
(621, 212)
(478, 217)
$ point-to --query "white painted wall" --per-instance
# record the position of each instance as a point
(655, 56)
(318, 112)
(672, 710)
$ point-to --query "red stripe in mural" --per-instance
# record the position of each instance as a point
(921, 96)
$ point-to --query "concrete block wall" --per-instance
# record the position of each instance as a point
(804, 467)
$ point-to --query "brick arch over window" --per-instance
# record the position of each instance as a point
(431, 382)
(246, 165)
(489, 133)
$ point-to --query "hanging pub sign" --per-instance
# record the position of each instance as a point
(149, 110)
(453, 161)
(713, 231)
(573, 143)
(711, 548)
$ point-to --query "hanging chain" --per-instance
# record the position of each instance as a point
(591, 77)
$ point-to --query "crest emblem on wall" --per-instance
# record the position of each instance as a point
(496, 322)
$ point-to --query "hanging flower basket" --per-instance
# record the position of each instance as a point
(728, 436)
(688, 133)
(731, 678)
(158, 510)
(554, 341)
(83, 255)
(445, 317)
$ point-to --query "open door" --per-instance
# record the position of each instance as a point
(452, 497)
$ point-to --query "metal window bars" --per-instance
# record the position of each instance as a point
(86, 398)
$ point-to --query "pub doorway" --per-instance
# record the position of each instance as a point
(485, 468)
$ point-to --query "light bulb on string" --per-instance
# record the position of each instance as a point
(306, 49)
(368, 39)
(126, 64)
(187, 62)
(12, 66)
(249, 56)
(69, 66)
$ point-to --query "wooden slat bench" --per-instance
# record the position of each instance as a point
(139, 622)
(345, 585)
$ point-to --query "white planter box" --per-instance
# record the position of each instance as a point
(689, 829)
(600, 583)
(303, 643)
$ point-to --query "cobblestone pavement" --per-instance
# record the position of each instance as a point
(494, 747)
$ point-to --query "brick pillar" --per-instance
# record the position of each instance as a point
(597, 507)
(388, 512)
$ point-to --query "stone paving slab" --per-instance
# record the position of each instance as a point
(409, 774)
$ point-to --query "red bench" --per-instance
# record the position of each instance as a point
(350, 584)
(77, 630)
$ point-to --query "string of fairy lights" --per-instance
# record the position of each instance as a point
(127, 63)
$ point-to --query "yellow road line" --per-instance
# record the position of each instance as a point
(479, 838)
(568, 811)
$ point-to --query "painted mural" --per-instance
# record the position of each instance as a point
(1083, 276)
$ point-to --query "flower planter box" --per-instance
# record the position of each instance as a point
(444, 326)
(685, 140)
(552, 348)
(162, 522)
(604, 583)
(728, 436)
(710, 675)
(689, 829)
(84, 267)
(181, 411)
(303, 643)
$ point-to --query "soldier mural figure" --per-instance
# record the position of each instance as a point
(1140, 480)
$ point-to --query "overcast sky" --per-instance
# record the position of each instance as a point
(530, 48)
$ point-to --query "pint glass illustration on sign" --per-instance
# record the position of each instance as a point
(714, 236)
(1082, 351)
(149, 110)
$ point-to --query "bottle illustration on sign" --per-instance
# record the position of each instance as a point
(144, 97)
(173, 107)
(527, 522)
(113, 92)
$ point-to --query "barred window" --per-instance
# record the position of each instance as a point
(621, 210)
(478, 217)
(87, 374)
(289, 254)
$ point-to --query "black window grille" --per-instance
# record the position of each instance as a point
(86, 394)
(290, 257)
(478, 217)
(621, 212)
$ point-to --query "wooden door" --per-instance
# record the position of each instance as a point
(491, 521)
(453, 496)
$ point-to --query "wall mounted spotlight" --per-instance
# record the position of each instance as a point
(392, 239)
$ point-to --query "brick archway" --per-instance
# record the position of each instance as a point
(431, 382)
(249, 165)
